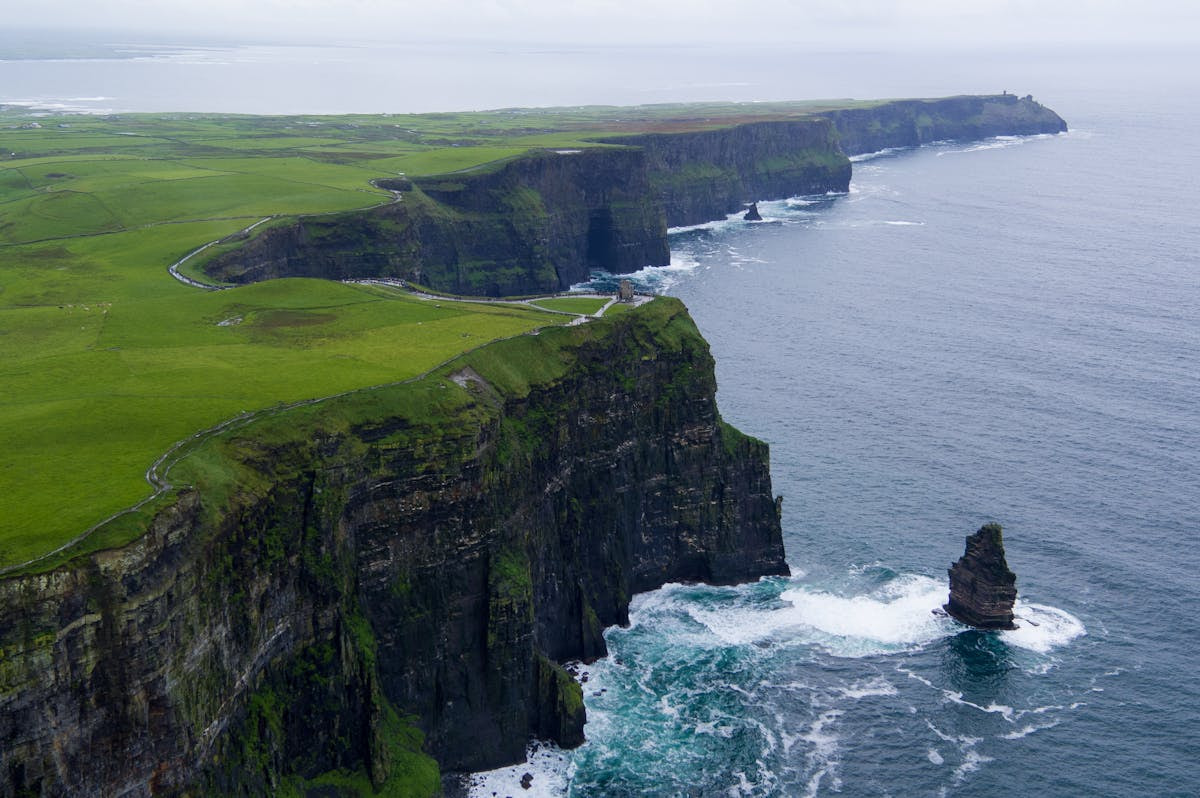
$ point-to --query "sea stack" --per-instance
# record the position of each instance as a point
(752, 214)
(982, 588)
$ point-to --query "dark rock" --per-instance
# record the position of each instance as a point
(982, 588)
(752, 214)
(526, 781)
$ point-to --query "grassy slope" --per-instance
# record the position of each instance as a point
(105, 361)
(582, 304)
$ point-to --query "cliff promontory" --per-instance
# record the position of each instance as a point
(911, 123)
(343, 577)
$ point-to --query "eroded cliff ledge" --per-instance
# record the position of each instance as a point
(542, 221)
(419, 555)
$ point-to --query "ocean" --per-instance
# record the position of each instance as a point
(1006, 330)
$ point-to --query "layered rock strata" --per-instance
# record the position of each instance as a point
(982, 588)
(418, 554)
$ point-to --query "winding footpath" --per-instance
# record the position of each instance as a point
(173, 269)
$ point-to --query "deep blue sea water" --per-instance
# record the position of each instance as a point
(1006, 330)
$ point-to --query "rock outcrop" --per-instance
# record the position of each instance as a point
(752, 214)
(414, 556)
(982, 588)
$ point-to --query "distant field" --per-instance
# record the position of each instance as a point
(106, 360)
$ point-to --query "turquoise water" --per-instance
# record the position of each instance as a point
(1006, 330)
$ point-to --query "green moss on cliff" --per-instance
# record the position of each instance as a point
(265, 756)
(510, 577)
(412, 772)
(561, 714)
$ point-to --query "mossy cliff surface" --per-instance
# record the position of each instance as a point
(704, 175)
(415, 559)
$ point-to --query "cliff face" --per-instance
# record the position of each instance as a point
(911, 123)
(419, 554)
(538, 223)
(705, 175)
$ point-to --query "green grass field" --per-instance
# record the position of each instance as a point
(106, 361)
(583, 305)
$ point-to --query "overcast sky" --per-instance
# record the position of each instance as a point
(831, 24)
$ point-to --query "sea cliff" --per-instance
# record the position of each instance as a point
(415, 559)
(704, 175)
(543, 221)
(911, 123)
(533, 224)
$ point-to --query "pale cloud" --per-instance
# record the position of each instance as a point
(835, 24)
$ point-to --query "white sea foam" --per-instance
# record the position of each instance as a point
(896, 617)
(44, 106)
(1003, 710)
(1028, 730)
(900, 223)
(822, 756)
(871, 687)
(972, 759)
(656, 279)
(1054, 628)
(716, 224)
(935, 757)
(995, 143)
(870, 156)
(548, 764)
(916, 677)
